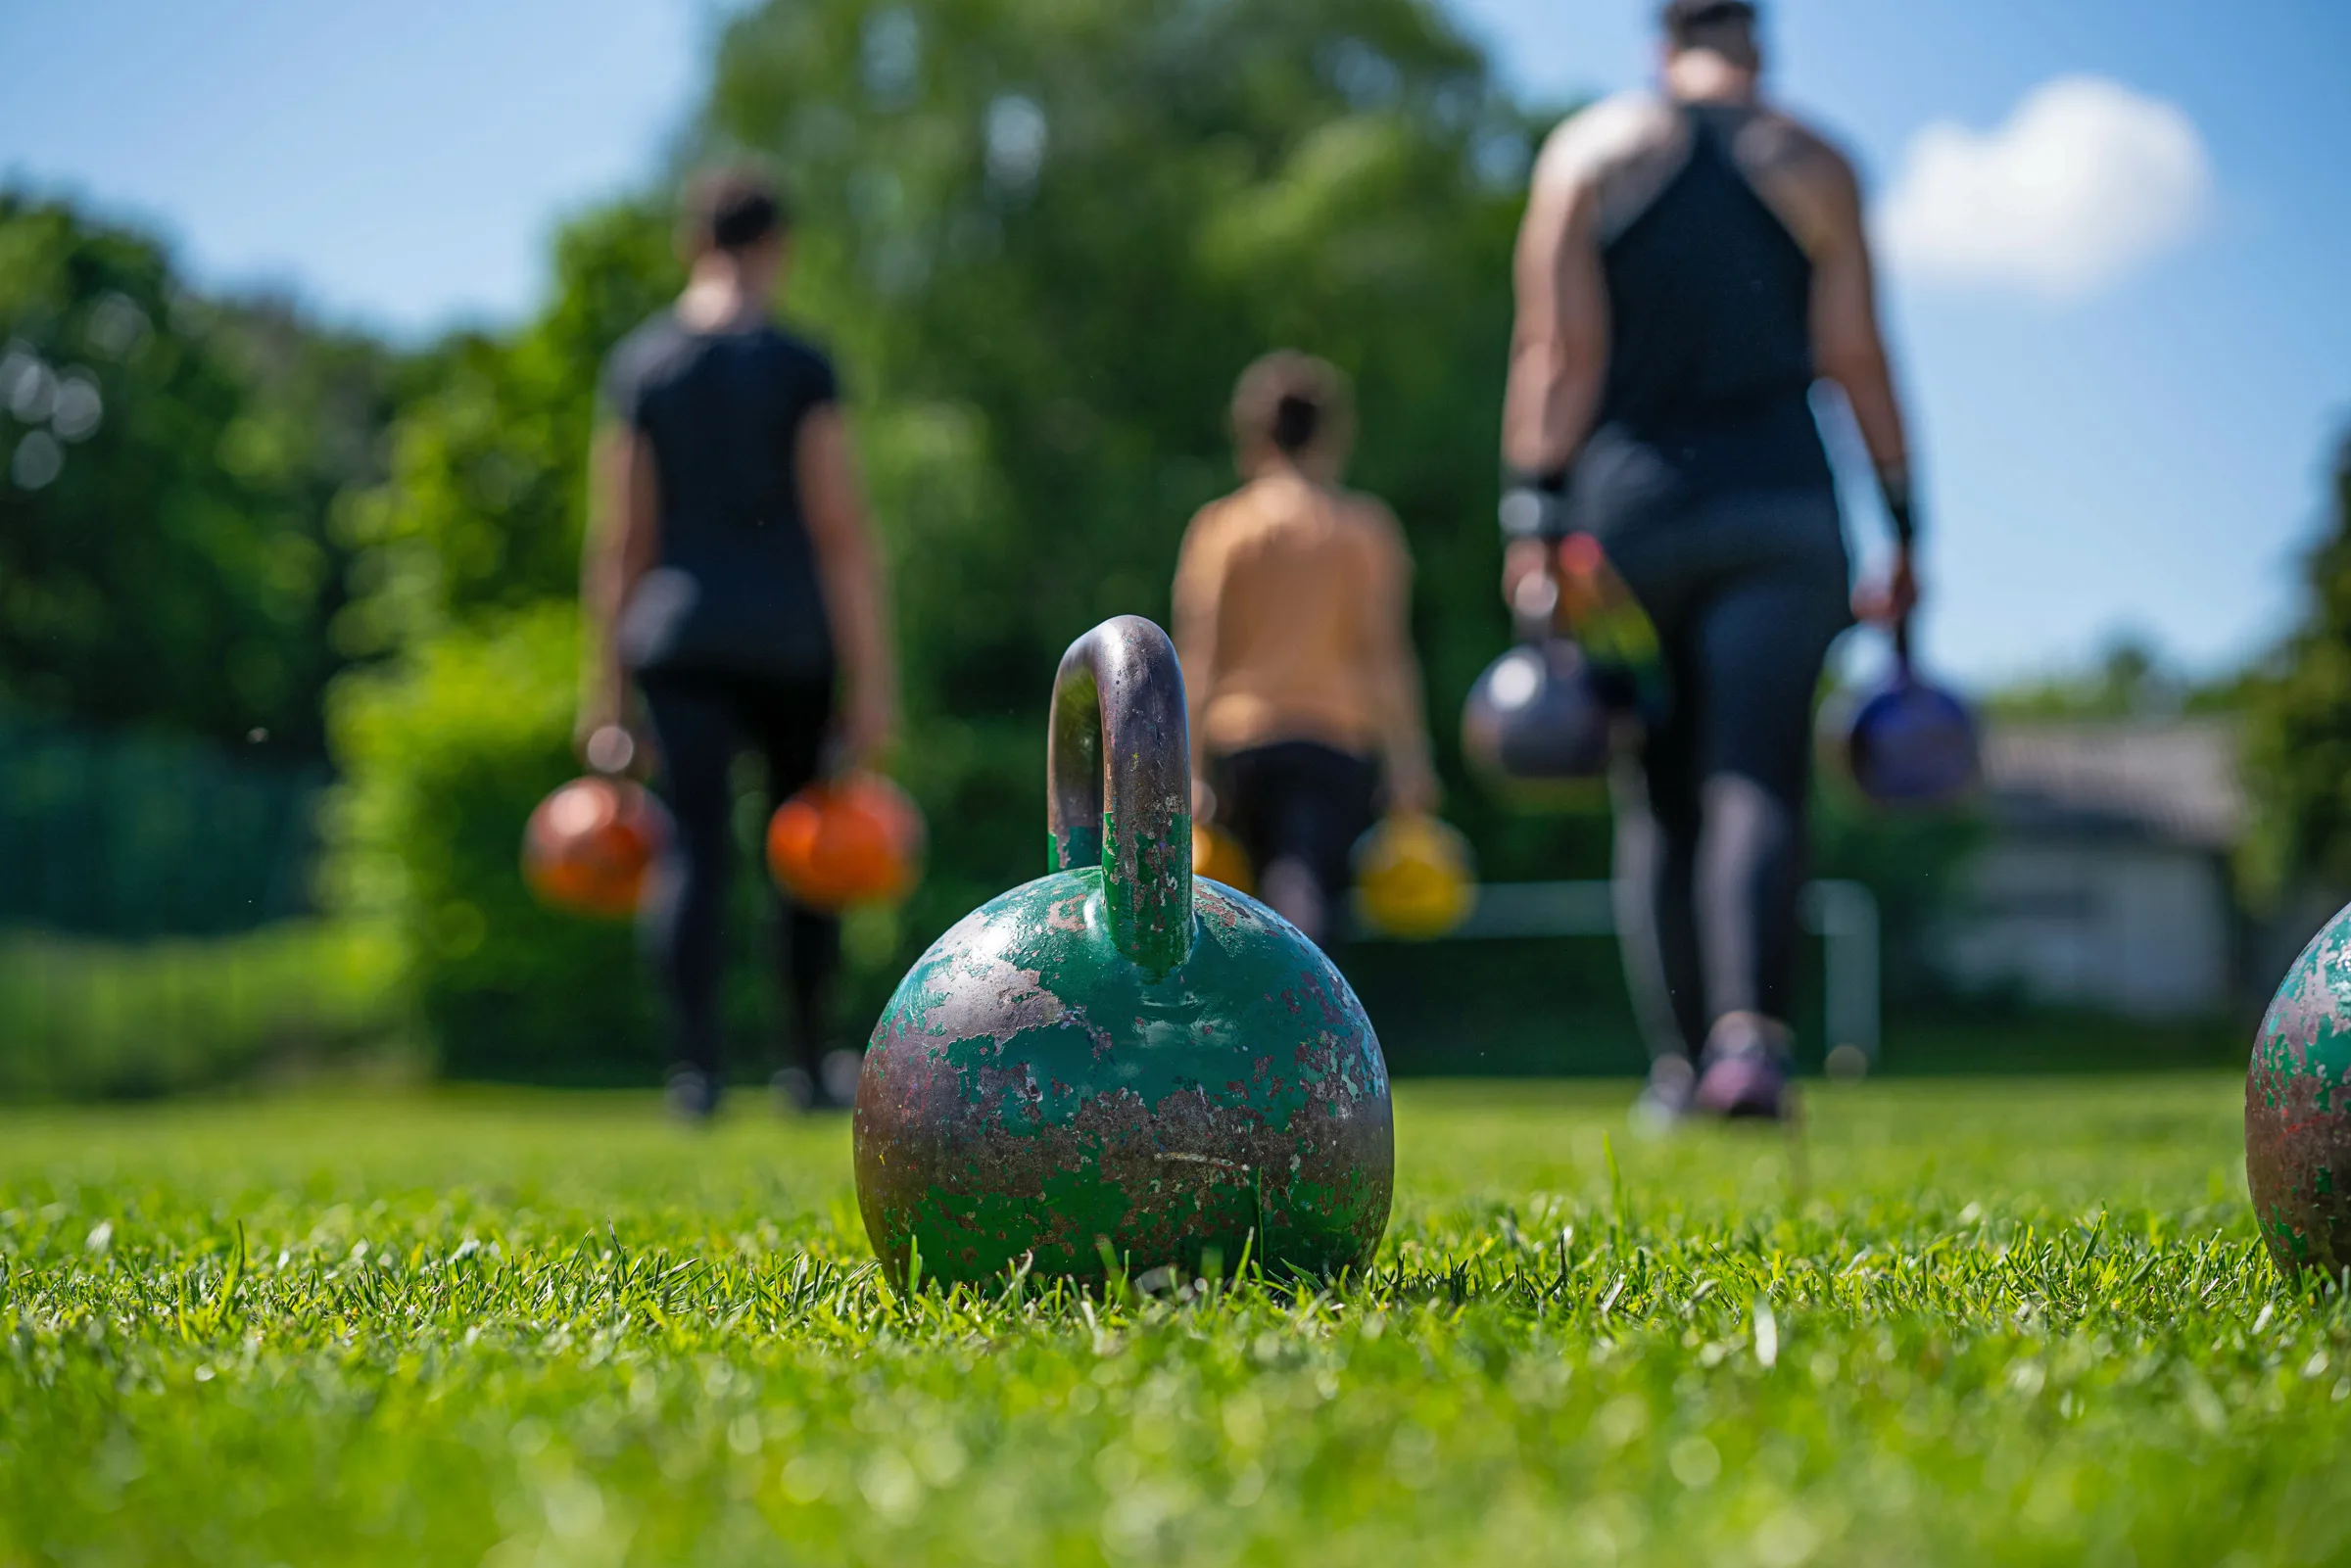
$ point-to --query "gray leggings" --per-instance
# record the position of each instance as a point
(1747, 593)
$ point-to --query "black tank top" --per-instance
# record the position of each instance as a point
(735, 589)
(1710, 347)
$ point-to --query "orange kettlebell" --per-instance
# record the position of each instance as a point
(856, 840)
(590, 846)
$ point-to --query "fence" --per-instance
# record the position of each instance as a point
(1844, 914)
(128, 835)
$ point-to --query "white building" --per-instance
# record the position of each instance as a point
(2104, 879)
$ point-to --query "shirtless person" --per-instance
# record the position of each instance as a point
(1690, 262)
(1293, 599)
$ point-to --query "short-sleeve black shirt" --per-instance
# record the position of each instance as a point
(735, 589)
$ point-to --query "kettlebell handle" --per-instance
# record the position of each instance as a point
(1118, 785)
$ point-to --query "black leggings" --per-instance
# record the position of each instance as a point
(701, 723)
(1712, 850)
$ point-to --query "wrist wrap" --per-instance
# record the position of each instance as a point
(1893, 484)
(1534, 505)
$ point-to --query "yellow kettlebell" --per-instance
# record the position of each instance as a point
(1219, 856)
(1414, 877)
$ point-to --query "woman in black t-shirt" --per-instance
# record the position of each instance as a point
(730, 571)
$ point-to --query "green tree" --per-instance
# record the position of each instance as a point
(446, 749)
(168, 468)
(482, 509)
(2298, 735)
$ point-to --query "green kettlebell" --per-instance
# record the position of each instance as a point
(1118, 1066)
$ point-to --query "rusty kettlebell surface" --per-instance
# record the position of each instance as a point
(1117, 1064)
(2298, 1109)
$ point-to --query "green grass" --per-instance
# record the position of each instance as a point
(1958, 1324)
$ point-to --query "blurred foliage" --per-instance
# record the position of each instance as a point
(482, 507)
(445, 752)
(2298, 733)
(2131, 680)
(82, 1020)
(167, 466)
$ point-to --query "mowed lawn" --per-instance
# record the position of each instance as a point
(1957, 1322)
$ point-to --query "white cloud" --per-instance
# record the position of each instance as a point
(2085, 180)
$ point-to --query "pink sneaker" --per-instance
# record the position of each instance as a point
(1746, 1069)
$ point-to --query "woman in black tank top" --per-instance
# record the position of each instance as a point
(1671, 322)
(1710, 347)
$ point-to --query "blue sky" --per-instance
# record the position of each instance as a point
(2134, 441)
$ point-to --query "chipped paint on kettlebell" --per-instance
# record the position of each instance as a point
(1031, 1089)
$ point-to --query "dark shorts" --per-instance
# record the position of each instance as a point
(1299, 799)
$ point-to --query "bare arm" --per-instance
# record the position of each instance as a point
(1559, 339)
(1199, 590)
(1846, 344)
(850, 574)
(1848, 350)
(623, 541)
(1412, 783)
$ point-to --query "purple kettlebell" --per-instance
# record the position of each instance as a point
(1911, 743)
